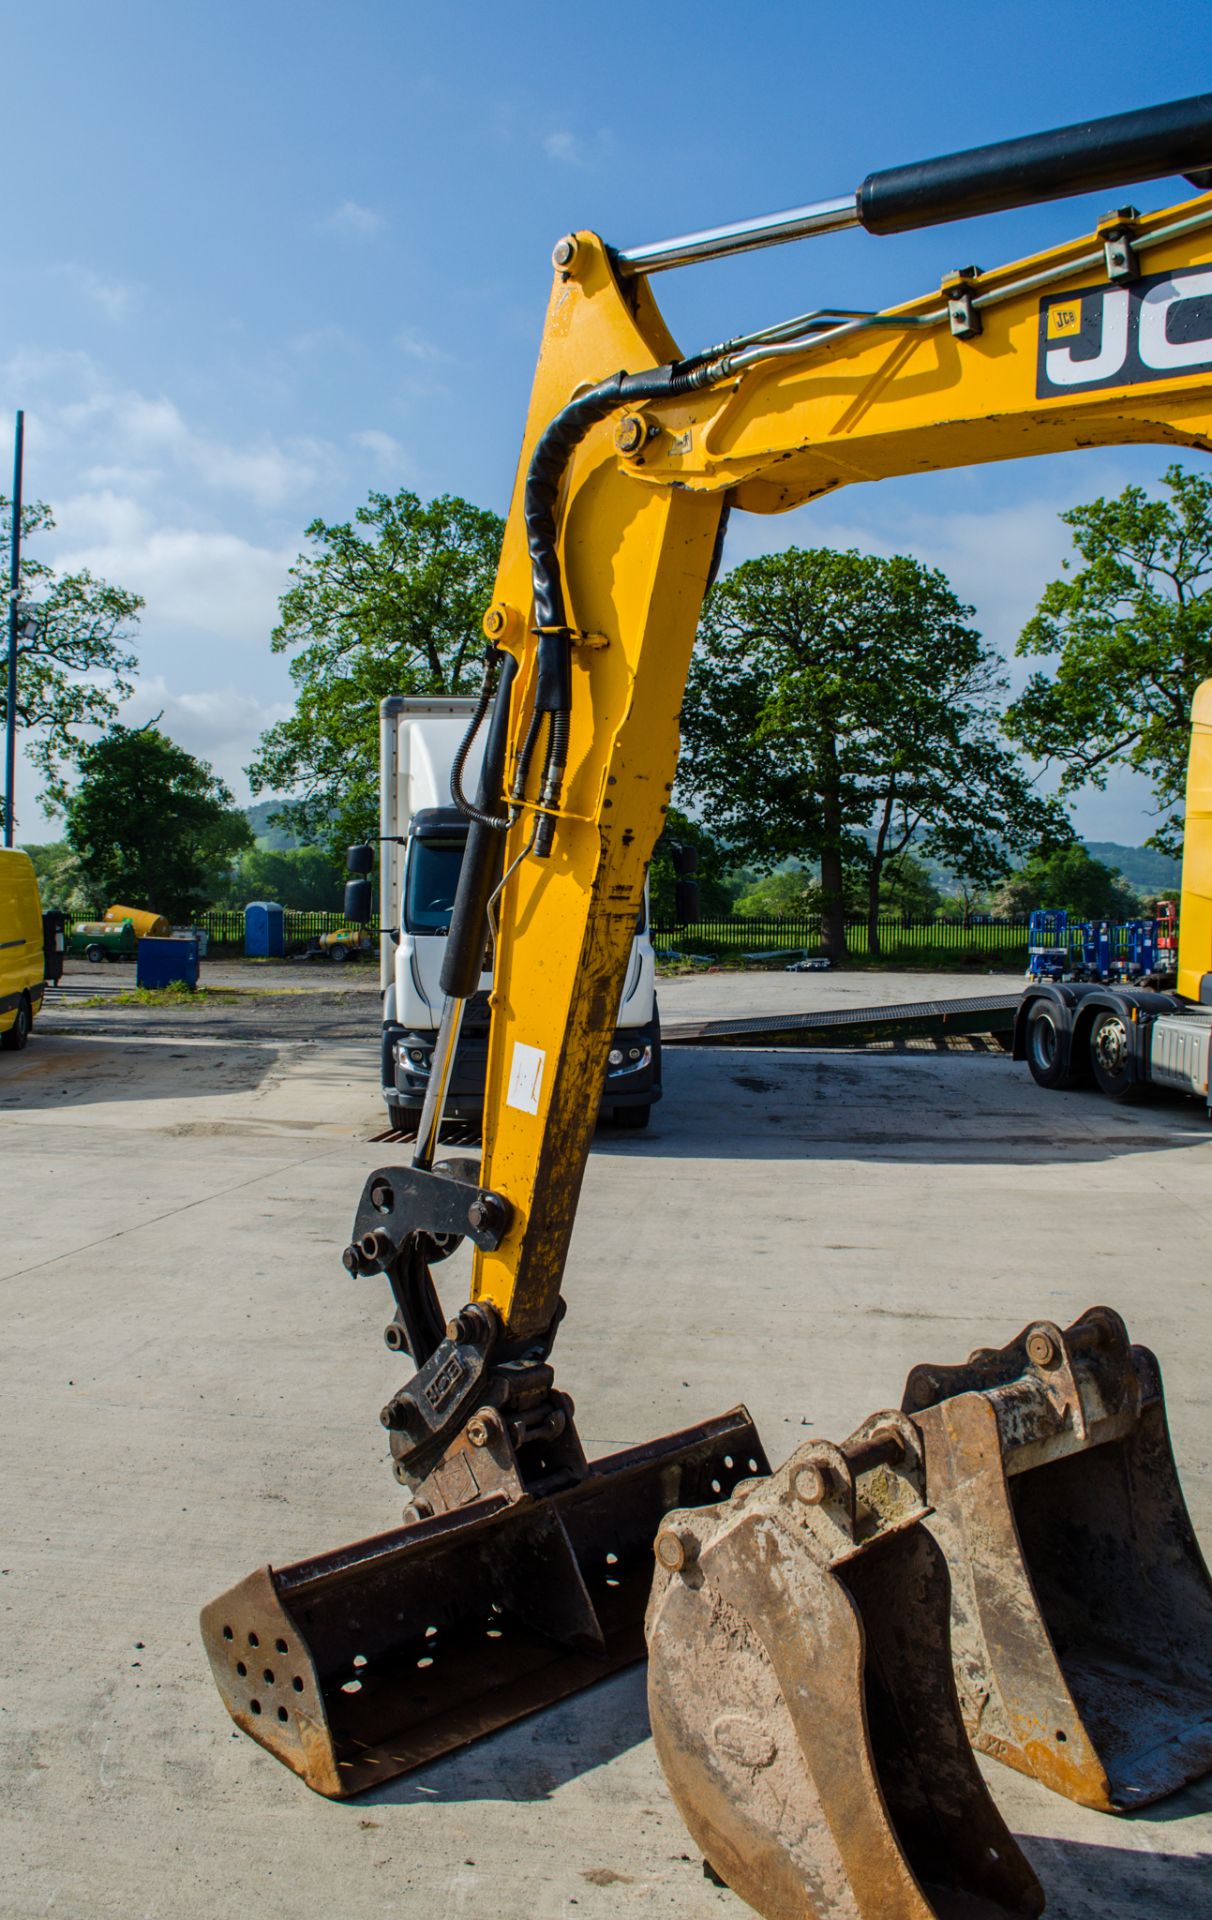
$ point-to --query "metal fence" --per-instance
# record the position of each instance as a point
(1005, 940)
(225, 925)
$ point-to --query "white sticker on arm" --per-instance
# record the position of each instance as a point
(525, 1077)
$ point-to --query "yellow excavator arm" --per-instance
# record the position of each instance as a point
(801, 1665)
(1042, 356)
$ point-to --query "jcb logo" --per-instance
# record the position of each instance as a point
(1151, 329)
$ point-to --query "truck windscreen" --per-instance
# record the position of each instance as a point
(433, 875)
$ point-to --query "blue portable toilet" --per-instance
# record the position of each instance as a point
(167, 963)
(264, 930)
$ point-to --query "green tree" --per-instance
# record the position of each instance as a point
(150, 825)
(73, 658)
(1129, 635)
(790, 894)
(1068, 877)
(390, 603)
(61, 882)
(908, 889)
(306, 878)
(841, 709)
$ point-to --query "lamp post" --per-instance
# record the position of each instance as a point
(14, 615)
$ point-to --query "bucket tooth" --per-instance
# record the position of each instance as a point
(369, 1661)
(802, 1699)
(1081, 1605)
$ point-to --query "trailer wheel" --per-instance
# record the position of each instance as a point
(1111, 1057)
(1046, 1048)
(94, 953)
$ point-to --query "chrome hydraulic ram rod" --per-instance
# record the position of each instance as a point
(1085, 158)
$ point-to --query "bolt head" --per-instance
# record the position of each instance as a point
(351, 1260)
(564, 252)
(1041, 1348)
(675, 1548)
(811, 1485)
(631, 433)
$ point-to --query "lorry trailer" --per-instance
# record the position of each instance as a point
(1124, 1038)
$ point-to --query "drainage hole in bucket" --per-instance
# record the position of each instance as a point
(1061, 1735)
(716, 1487)
(255, 1706)
(281, 1646)
(297, 1684)
(268, 1676)
(612, 1559)
(753, 1466)
(728, 1460)
(241, 1669)
(431, 1633)
(493, 1633)
(283, 1715)
(253, 1640)
(359, 1660)
(228, 1634)
(351, 1686)
(425, 1661)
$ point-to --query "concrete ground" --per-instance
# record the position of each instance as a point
(192, 1387)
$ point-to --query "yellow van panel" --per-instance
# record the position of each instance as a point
(22, 965)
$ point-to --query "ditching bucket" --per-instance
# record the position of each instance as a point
(802, 1699)
(372, 1660)
(1081, 1606)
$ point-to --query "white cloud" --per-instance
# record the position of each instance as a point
(387, 452)
(564, 147)
(111, 297)
(354, 220)
(417, 346)
(193, 580)
(221, 726)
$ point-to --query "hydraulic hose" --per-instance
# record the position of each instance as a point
(548, 465)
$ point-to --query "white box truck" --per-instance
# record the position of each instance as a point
(422, 840)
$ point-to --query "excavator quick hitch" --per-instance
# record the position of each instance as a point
(522, 1572)
(802, 1698)
(1081, 1608)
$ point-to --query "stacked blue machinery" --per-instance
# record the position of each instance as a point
(1061, 949)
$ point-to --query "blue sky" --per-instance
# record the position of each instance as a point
(262, 258)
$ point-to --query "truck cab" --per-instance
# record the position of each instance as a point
(423, 839)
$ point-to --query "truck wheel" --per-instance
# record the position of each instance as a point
(635, 1117)
(15, 1038)
(1111, 1057)
(403, 1119)
(1046, 1048)
(94, 953)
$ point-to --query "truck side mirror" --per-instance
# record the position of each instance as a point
(358, 899)
(686, 903)
(359, 860)
(685, 858)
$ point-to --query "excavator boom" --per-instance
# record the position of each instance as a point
(633, 455)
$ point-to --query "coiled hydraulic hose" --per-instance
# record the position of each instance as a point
(548, 465)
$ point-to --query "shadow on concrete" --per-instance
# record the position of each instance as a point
(1091, 1882)
(530, 1760)
(64, 1071)
(979, 1108)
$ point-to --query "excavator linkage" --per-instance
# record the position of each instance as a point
(1081, 1606)
(802, 1699)
(369, 1661)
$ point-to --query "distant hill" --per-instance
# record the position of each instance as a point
(274, 839)
(1142, 867)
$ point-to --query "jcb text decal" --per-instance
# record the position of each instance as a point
(1155, 328)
